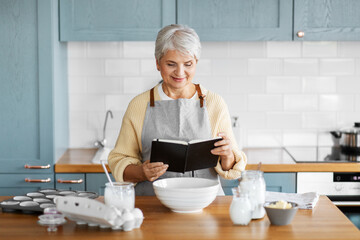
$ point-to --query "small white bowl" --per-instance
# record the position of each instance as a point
(186, 195)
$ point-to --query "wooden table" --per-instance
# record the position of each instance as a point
(325, 221)
(272, 159)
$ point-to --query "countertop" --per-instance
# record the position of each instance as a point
(272, 159)
(325, 221)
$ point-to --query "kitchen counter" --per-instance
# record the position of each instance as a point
(272, 159)
(325, 221)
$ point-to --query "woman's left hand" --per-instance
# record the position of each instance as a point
(224, 150)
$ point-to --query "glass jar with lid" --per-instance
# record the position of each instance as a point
(252, 181)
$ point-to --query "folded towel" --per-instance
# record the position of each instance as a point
(304, 200)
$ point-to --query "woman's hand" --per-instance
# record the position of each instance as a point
(224, 150)
(153, 171)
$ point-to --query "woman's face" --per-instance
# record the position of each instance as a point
(176, 69)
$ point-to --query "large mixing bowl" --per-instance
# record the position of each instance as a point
(186, 195)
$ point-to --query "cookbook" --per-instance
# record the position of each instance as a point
(182, 156)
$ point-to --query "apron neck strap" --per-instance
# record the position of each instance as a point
(152, 103)
(198, 90)
(201, 96)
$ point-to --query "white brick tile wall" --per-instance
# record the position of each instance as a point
(203, 68)
(214, 50)
(247, 49)
(139, 50)
(357, 66)
(265, 67)
(252, 120)
(284, 93)
(349, 49)
(283, 49)
(104, 85)
(319, 49)
(316, 120)
(265, 102)
(304, 102)
(77, 85)
(148, 68)
(264, 138)
(283, 84)
(86, 102)
(319, 84)
(248, 84)
(86, 67)
(337, 66)
(299, 138)
(301, 67)
(118, 102)
(336, 102)
(122, 67)
(230, 67)
(281, 120)
(76, 50)
(348, 84)
(102, 49)
(136, 85)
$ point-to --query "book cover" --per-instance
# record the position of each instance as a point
(184, 156)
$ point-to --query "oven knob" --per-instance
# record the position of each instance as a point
(338, 187)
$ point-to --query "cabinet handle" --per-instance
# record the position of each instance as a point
(300, 34)
(70, 181)
(38, 180)
(37, 167)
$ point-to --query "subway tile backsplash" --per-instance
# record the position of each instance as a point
(285, 93)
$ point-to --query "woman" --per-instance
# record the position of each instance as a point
(174, 109)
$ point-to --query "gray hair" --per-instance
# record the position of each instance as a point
(177, 37)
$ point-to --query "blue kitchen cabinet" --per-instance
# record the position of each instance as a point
(95, 182)
(33, 109)
(237, 20)
(70, 181)
(276, 182)
(18, 184)
(114, 20)
(330, 20)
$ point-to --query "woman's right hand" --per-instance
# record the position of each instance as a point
(153, 171)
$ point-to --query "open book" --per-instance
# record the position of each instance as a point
(184, 156)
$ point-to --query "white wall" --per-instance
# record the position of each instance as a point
(283, 92)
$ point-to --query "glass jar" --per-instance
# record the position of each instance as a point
(240, 208)
(120, 194)
(253, 182)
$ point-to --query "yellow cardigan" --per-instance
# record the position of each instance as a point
(128, 145)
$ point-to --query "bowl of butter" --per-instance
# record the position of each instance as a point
(280, 212)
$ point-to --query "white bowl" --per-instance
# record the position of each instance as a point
(186, 195)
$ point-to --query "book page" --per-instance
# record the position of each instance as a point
(172, 141)
(203, 140)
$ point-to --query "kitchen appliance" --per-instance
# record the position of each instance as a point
(348, 139)
(343, 189)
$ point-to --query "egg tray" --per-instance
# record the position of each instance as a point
(34, 202)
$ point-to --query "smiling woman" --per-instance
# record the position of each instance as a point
(175, 109)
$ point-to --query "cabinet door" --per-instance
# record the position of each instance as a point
(95, 182)
(280, 182)
(26, 66)
(327, 20)
(114, 20)
(233, 20)
(276, 182)
(16, 184)
(70, 181)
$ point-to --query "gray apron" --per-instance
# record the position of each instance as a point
(180, 119)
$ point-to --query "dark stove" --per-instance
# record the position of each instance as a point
(321, 154)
